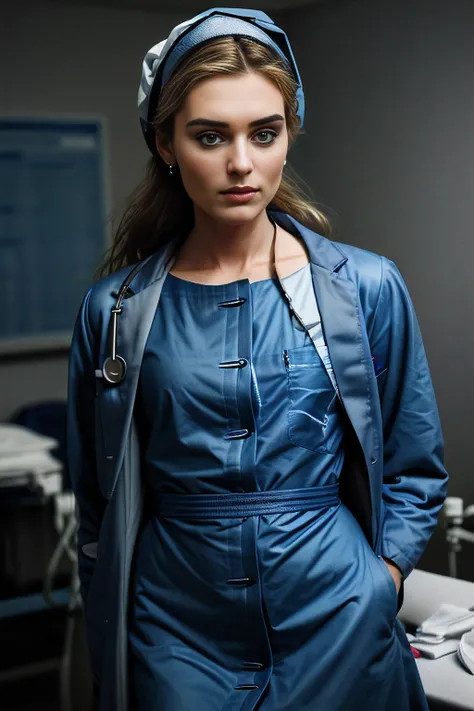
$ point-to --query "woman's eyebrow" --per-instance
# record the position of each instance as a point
(222, 124)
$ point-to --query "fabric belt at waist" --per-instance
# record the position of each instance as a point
(254, 503)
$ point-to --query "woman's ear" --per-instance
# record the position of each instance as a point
(165, 150)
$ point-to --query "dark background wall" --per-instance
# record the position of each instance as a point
(389, 149)
(74, 60)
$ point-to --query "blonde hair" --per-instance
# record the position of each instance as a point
(160, 209)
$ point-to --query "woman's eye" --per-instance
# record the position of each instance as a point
(208, 139)
(268, 136)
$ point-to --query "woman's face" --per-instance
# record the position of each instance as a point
(231, 132)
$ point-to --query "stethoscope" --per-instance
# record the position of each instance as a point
(114, 368)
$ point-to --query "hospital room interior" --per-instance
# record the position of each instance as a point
(387, 153)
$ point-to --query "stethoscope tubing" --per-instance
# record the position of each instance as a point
(114, 367)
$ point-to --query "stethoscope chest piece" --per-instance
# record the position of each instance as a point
(114, 370)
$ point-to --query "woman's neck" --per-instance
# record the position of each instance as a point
(227, 252)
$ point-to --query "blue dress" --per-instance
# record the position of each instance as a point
(275, 612)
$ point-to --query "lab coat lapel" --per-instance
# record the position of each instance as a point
(349, 352)
(135, 322)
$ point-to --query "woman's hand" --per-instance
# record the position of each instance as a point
(394, 572)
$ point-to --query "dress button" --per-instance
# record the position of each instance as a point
(232, 303)
(237, 434)
(241, 363)
(240, 582)
(373, 460)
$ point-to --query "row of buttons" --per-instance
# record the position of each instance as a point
(239, 434)
(239, 363)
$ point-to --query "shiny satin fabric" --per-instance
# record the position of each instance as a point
(232, 613)
(368, 319)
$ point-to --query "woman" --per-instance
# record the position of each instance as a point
(253, 436)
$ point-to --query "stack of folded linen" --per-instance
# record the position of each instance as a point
(450, 629)
(26, 459)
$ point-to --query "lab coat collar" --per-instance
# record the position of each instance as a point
(322, 252)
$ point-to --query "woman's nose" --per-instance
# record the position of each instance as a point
(239, 159)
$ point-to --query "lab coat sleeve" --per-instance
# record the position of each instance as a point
(81, 446)
(414, 477)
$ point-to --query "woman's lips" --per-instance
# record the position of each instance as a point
(240, 196)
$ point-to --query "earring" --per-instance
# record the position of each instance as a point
(171, 169)
(284, 163)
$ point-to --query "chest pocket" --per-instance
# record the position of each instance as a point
(314, 418)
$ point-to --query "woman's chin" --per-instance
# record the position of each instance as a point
(236, 214)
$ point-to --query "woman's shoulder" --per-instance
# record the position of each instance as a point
(375, 276)
(103, 293)
(362, 264)
(367, 267)
(111, 282)
(102, 296)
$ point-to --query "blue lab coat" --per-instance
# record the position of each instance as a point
(393, 480)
